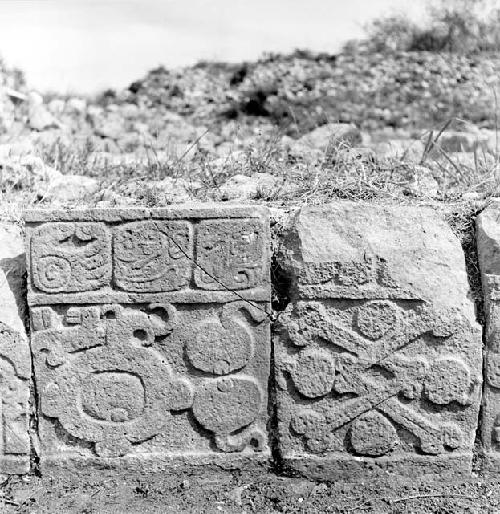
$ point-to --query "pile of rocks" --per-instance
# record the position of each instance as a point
(209, 122)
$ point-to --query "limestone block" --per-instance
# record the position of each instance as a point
(488, 243)
(15, 364)
(378, 356)
(150, 336)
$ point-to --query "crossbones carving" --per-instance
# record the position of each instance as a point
(381, 330)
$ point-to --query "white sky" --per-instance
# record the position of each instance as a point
(85, 45)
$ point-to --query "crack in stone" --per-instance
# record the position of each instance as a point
(243, 299)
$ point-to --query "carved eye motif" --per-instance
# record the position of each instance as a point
(113, 396)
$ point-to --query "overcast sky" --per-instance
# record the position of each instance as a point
(85, 45)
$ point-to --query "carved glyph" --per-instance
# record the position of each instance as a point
(230, 254)
(153, 255)
(70, 257)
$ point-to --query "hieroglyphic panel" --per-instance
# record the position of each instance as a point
(374, 371)
(149, 365)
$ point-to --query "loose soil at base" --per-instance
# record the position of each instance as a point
(240, 493)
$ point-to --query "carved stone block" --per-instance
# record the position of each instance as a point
(15, 361)
(151, 367)
(488, 244)
(378, 357)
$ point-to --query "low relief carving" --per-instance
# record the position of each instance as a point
(115, 393)
(15, 370)
(103, 376)
(224, 345)
(152, 353)
(153, 255)
(364, 377)
(230, 254)
(70, 257)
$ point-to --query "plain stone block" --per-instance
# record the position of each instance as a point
(15, 361)
(378, 357)
(488, 244)
(150, 336)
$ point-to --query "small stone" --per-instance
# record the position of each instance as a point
(422, 183)
(39, 117)
(258, 185)
(56, 106)
(70, 188)
(460, 141)
(112, 128)
(76, 106)
(409, 150)
(332, 134)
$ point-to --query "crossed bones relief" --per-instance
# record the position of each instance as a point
(383, 329)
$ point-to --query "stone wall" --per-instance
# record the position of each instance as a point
(153, 345)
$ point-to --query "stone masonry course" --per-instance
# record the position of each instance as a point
(151, 345)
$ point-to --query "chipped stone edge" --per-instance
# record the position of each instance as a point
(120, 214)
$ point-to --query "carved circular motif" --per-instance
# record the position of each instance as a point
(225, 405)
(375, 319)
(113, 396)
(54, 272)
(314, 373)
(95, 402)
(214, 349)
(448, 380)
(373, 435)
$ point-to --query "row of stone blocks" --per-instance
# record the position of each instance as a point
(151, 346)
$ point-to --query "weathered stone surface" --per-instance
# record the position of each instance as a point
(15, 363)
(378, 357)
(70, 257)
(139, 359)
(153, 255)
(488, 243)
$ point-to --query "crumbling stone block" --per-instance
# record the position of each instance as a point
(150, 335)
(378, 357)
(488, 245)
(15, 362)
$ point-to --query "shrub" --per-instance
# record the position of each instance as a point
(459, 26)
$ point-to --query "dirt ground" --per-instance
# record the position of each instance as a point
(240, 493)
